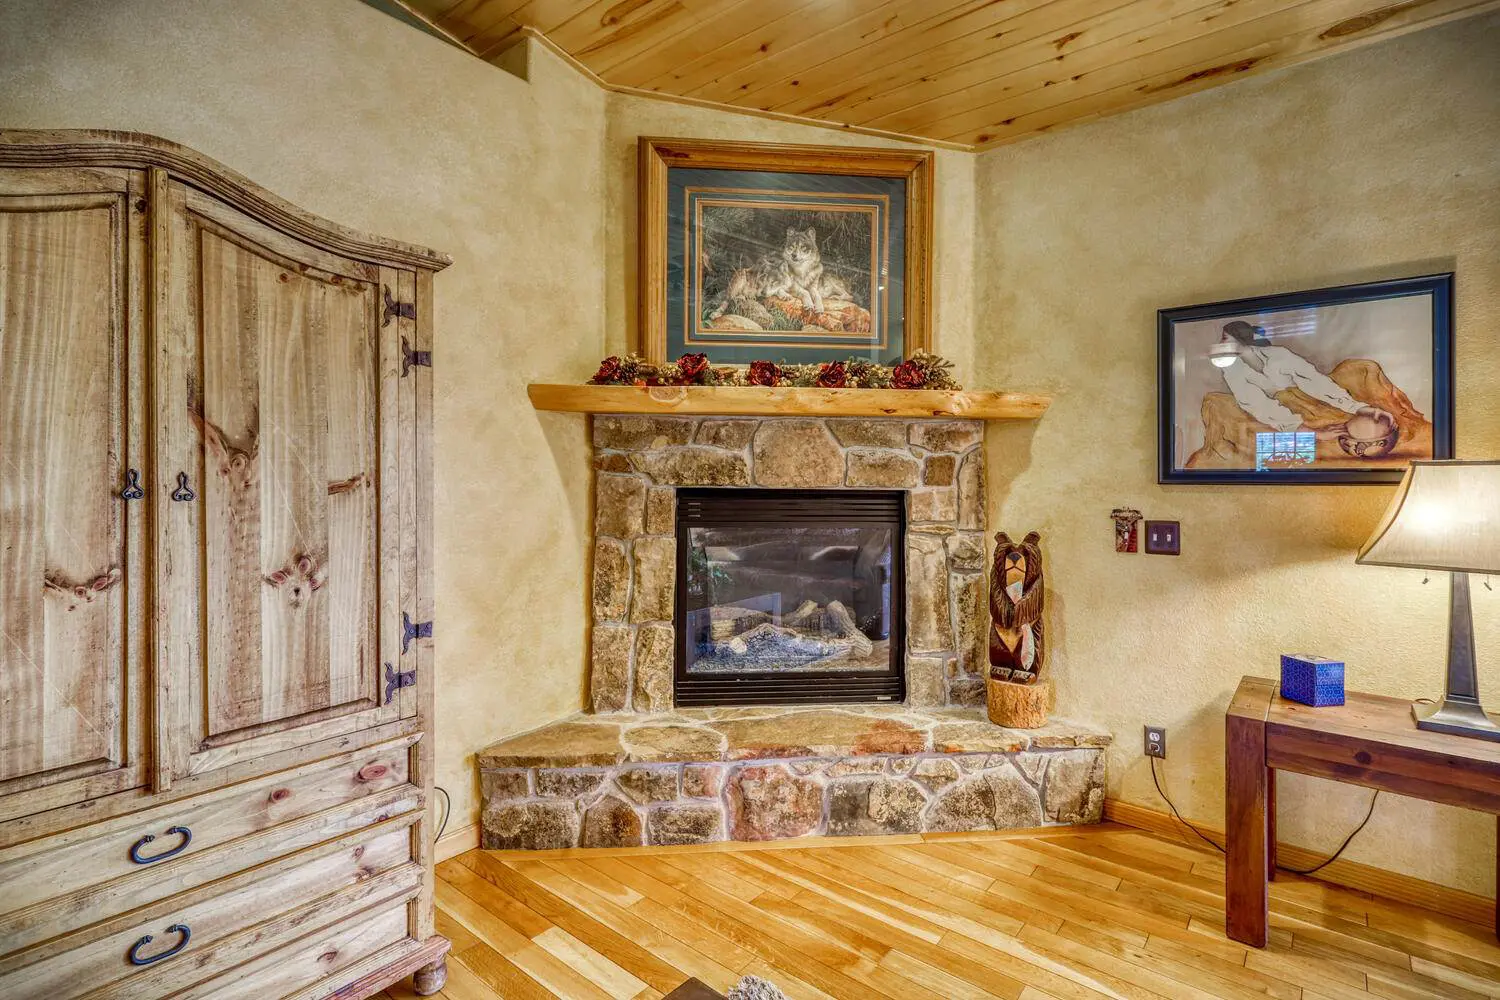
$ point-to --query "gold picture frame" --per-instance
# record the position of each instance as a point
(887, 314)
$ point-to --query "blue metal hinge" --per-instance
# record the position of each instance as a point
(395, 680)
(395, 308)
(413, 630)
(410, 357)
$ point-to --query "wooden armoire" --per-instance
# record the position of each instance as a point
(215, 585)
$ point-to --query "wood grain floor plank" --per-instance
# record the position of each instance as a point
(1167, 976)
(592, 965)
(714, 911)
(459, 937)
(1075, 914)
(1036, 970)
(481, 973)
(1025, 853)
(814, 957)
(509, 945)
(1110, 966)
(930, 860)
(983, 914)
(904, 913)
(1383, 978)
(712, 870)
(676, 961)
(964, 856)
(1232, 969)
(463, 984)
(931, 953)
(534, 885)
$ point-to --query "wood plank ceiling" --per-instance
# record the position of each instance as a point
(973, 73)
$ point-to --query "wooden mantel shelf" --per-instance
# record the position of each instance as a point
(699, 400)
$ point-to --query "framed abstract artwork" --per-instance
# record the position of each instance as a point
(1336, 385)
(797, 254)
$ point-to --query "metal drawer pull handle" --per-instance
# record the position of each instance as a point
(135, 849)
(182, 494)
(132, 490)
(135, 950)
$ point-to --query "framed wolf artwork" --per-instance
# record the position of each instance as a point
(1336, 385)
(797, 254)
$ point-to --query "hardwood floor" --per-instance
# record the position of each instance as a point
(1064, 913)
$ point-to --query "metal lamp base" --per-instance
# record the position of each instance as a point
(1457, 718)
(1460, 712)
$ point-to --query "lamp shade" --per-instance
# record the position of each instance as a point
(1444, 516)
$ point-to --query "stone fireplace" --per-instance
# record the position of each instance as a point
(934, 469)
(761, 548)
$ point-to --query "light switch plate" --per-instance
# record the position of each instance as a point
(1164, 538)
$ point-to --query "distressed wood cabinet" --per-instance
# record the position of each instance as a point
(73, 683)
(215, 585)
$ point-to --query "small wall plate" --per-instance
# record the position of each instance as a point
(1164, 538)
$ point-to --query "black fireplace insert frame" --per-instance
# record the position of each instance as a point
(698, 507)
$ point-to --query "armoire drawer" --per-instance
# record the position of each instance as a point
(190, 937)
(287, 971)
(62, 883)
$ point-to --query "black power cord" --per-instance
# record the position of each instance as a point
(447, 809)
(1294, 871)
(1335, 855)
(1201, 835)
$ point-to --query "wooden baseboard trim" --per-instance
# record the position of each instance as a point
(792, 844)
(455, 843)
(1349, 874)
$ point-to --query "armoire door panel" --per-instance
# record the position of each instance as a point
(279, 365)
(66, 324)
(289, 520)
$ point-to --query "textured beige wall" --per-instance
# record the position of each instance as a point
(630, 117)
(1377, 163)
(352, 115)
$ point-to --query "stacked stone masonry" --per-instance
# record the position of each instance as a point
(703, 776)
(639, 462)
(700, 803)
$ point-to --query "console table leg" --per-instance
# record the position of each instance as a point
(1270, 825)
(1247, 791)
(1497, 875)
(429, 979)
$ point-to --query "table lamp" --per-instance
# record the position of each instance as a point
(1446, 516)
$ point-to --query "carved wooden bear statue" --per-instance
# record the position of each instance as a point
(1017, 644)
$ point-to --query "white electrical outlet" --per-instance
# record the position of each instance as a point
(1156, 742)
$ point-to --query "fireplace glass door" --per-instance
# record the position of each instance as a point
(789, 596)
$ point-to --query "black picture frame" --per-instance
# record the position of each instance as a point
(1438, 287)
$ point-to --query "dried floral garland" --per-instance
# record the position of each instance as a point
(920, 371)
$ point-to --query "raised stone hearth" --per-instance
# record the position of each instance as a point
(705, 775)
(640, 461)
(637, 772)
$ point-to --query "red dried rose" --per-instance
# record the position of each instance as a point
(691, 367)
(831, 376)
(765, 373)
(908, 375)
(610, 372)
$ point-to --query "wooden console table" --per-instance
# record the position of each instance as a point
(1370, 740)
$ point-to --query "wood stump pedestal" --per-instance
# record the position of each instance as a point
(1018, 706)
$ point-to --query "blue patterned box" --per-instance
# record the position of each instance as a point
(1312, 680)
